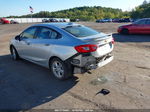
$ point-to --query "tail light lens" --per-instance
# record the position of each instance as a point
(113, 41)
(86, 48)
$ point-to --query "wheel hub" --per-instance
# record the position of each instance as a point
(58, 69)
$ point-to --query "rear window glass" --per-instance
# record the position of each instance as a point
(80, 31)
(140, 22)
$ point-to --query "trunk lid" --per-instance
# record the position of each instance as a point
(103, 41)
(96, 38)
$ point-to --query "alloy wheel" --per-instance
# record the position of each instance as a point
(58, 69)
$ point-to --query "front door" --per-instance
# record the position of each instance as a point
(26, 39)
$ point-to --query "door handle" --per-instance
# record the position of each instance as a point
(28, 43)
(47, 44)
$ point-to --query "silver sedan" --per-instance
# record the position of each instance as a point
(64, 48)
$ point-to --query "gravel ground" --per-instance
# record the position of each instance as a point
(24, 85)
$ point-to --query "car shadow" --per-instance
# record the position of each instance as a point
(24, 85)
(131, 38)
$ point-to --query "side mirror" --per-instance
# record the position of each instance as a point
(17, 37)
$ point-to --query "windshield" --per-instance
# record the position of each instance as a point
(80, 31)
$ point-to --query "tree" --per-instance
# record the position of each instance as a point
(82, 13)
(141, 11)
(145, 2)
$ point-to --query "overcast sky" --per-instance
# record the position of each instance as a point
(21, 7)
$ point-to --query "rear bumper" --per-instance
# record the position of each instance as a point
(103, 63)
(89, 63)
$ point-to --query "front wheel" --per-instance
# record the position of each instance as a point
(60, 69)
(14, 53)
(125, 31)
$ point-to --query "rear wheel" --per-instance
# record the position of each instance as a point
(125, 31)
(14, 53)
(60, 69)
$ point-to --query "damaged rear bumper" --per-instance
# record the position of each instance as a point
(108, 60)
(85, 62)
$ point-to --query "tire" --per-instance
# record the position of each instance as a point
(125, 31)
(14, 53)
(60, 69)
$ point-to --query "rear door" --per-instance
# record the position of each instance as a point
(42, 45)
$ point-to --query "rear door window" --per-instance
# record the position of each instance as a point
(46, 33)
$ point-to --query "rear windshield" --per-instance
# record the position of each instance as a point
(80, 31)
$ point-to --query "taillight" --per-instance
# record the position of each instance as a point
(113, 41)
(86, 48)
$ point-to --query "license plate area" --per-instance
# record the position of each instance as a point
(102, 50)
(105, 47)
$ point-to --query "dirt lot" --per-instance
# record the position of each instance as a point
(24, 85)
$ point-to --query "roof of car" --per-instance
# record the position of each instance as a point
(59, 25)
